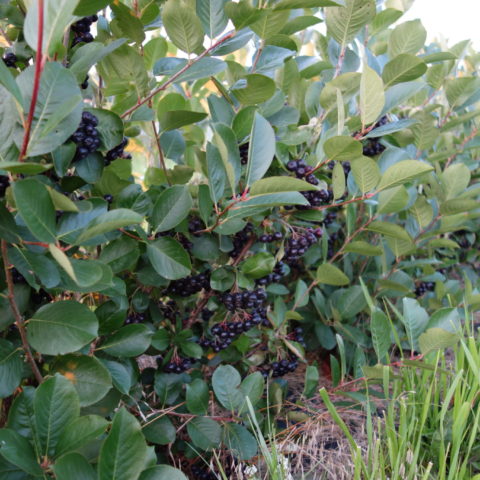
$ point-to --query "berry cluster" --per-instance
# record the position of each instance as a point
(297, 246)
(189, 285)
(4, 183)
(330, 217)
(10, 60)
(274, 277)
(346, 166)
(424, 287)
(86, 136)
(207, 314)
(202, 472)
(40, 297)
(240, 239)
(269, 238)
(184, 241)
(81, 30)
(194, 225)
(135, 317)
(331, 244)
(225, 332)
(302, 170)
(316, 198)
(169, 309)
(278, 369)
(297, 336)
(117, 152)
(243, 300)
(372, 147)
(244, 153)
(179, 365)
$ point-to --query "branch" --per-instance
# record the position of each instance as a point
(16, 313)
(462, 145)
(172, 79)
(39, 64)
(160, 152)
(366, 196)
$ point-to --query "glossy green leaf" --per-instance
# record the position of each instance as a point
(11, 368)
(159, 430)
(129, 341)
(204, 432)
(240, 441)
(342, 148)
(212, 15)
(169, 258)
(403, 172)
(331, 275)
(74, 466)
(171, 208)
(18, 451)
(408, 37)
(162, 472)
(280, 184)
(366, 173)
(197, 397)
(253, 89)
(372, 97)
(403, 68)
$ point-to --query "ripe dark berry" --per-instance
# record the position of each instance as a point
(194, 225)
(244, 153)
(17, 277)
(108, 198)
(84, 85)
(240, 239)
(117, 152)
(4, 184)
(424, 287)
(189, 285)
(10, 60)
(81, 30)
(135, 317)
(86, 136)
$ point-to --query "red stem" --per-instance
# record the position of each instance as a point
(39, 64)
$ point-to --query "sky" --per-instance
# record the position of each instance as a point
(454, 19)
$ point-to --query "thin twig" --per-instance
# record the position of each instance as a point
(39, 64)
(17, 315)
(160, 152)
(462, 145)
(172, 79)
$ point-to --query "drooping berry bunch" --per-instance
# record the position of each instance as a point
(424, 287)
(189, 285)
(278, 369)
(372, 146)
(117, 152)
(271, 237)
(302, 170)
(81, 30)
(461, 238)
(135, 317)
(345, 165)
(169, 309)
(274, 277)
(240, 239)
(179, 365)
(297, 336)
(4, 183)
(10, 60)
(194, 225)
(243, 300)
(207, 314)
(244, 153)
(86, 136)
(330, 217)
(298, 244)
(40, 297)
(316, 198)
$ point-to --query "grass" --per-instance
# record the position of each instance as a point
(426, 427)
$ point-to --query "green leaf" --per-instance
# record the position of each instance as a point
(126, 24)
(63, 260)
(331, 275)
(338, 181)
(58, 109)
(393, 200)
(252, 387)
(89, 7)
(408, 37)
(459, 90)
(74, 466)
(291, 4)
(225, 383)
(169, 258)
(8, 227)
(36, 208)
(57, 16)
(129, 341)
(280, 184)
(110, 128)
(261, 151)
(8, 81)
(389, 230)
(437, 339)
(124, 451)
(55, 406)
(446, 318)
(179, 118)
(9, 119)
(270, 23)
(18, 451)
(366, 173)
(363, 248)
(455, 180)
(159, 430)
(342, 148)
(89, 377)
(11, 368)
(422, 211)
(61, 327)
(217, 175)
(182, 25)
(403, 68)
(204, 432)
(253, 89)
(80, 432)
(162, 472)
(108, 221)
(212, 15)
(258, 265)
(458, 205)
(240, 441)
(380, 329)
(197, 397)
(343, 23)
(425, 131)
(403, 172)
(171, 208)
(242, 14)
(414, 319)
(372, 96)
